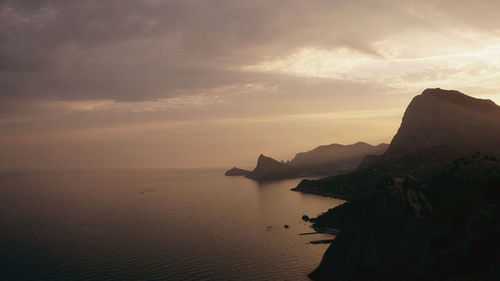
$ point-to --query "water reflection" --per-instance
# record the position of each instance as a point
(154, 225)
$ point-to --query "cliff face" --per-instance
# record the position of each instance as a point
(438, 126)
(270, 169)
(429, 208)
(443, 117)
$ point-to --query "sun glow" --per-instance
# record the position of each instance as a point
(315, 62)
(463, 70)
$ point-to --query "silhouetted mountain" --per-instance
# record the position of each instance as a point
(324, 160)
(363, 179)
(429, 207)
(447, 118)
(335, 158)
(237, 172)
(438, 126)
(270, 169)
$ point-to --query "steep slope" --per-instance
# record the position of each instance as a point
(443, 227)
(428, 208)
(270, 169)
(447, 117)
(438, 126)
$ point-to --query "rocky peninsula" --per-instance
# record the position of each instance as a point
(237, 172)
(325, 160)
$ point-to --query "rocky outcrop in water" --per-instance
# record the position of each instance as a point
(237, 172)
(270, 169)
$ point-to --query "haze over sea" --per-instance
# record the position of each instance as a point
(184, 224)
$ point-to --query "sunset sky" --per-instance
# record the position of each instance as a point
(182, 83)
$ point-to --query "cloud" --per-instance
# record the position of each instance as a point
(133, 50)
(89, 66)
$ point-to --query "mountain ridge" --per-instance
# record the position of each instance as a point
(323, 160)
(269, 169)
(429, 207)
(447, 117)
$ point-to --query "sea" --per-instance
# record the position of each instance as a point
(158, 224)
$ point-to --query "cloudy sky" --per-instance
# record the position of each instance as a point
(183, 83)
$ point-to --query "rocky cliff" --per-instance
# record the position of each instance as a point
(270, 169)
(442, 227)
(429, 207)
(445, 117)
(437, 127)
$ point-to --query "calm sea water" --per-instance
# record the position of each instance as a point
(154, 225)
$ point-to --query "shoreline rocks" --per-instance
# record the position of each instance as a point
(234, 172)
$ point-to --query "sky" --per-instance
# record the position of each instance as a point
(183, 83)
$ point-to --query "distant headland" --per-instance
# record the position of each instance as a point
(324, 160)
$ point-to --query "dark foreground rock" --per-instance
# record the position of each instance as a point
(324, 241)
(237, 172)
(428, 208)
(443, 228)
(422, 163)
